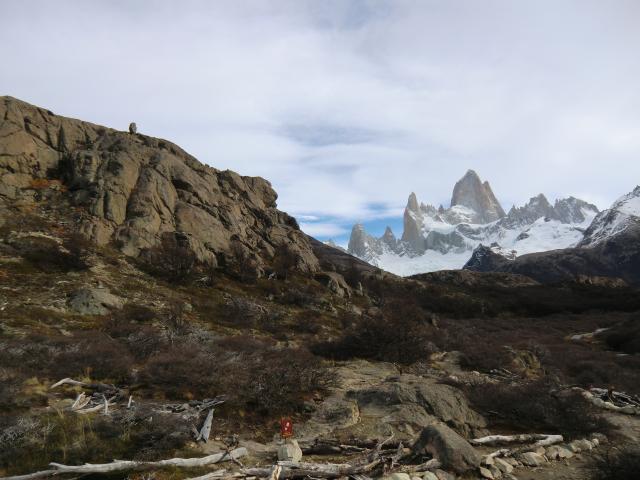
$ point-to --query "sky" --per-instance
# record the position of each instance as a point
(349, 106)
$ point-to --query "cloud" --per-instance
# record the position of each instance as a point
(347, 106)
(323, 229)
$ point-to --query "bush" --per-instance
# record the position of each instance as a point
(184, 371)
(284, 261)
(46, 254)
(96, 356)
(401, 334)
(616, 464)
(257, 378)
(172, 259)
(534, 407)
(624, 338)
(279, 380)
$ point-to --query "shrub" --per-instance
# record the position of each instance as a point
(625, 338)
(257, 378)
(184, 371)
(616, 464)
(284, 261)
(537, 406)
(97, 356)
(401, 334)
(242, 266)
(280, 379)
(47, 254)
(172, 259)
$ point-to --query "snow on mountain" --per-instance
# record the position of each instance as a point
(437, 239)
(623, 213)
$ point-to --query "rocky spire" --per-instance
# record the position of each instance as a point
(389, 238)
(412, 225)
(470, 192)
(358, 241)
(412, 203)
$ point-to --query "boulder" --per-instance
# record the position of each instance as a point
(486, 473)
(290, 451)
(429, 476)
(557, 452)
(94, 301)
(531, 459)
(397, 476)
(583, 445)
(335, 283)
(442, 475)
(453, 451)
(503, 466)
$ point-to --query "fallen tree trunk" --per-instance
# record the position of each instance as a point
(543, 442)
(315, 470)
(628, 408)
(502, 439)
(123, 465)
(100, 387)
(205, 431)
(335, 447)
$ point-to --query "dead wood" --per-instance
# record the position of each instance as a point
(124, 465)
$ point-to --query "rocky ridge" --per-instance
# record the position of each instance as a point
(131, 189)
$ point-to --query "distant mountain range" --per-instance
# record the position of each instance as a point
(609, 248)
(444, 238)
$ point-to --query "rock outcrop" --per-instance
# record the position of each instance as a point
(132, 189)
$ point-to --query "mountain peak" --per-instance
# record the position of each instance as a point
(412, 203)
(470, 192)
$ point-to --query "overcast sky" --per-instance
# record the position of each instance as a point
(348, 106)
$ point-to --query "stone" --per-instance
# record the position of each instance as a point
(503, 466)
(540, 451)
(557, 452)
(290, 451)
(602, 438)
(335, 283)
(94, 301)
(486, 473)
(442, 475)
(429, 476)
(397, 476)
(453, 451)
(488, 460)
(530, 459)
(495, 471)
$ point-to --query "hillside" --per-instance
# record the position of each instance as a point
(165, 289)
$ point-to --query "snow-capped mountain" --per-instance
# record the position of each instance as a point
(609, 249)
(624, 213)
(439, 238)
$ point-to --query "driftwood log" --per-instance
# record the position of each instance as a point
(492, 440)
(543, 441)
(98, 387)
(205, 431)
(131, 465)
(290, 470)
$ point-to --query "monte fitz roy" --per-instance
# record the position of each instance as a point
(444, 238)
